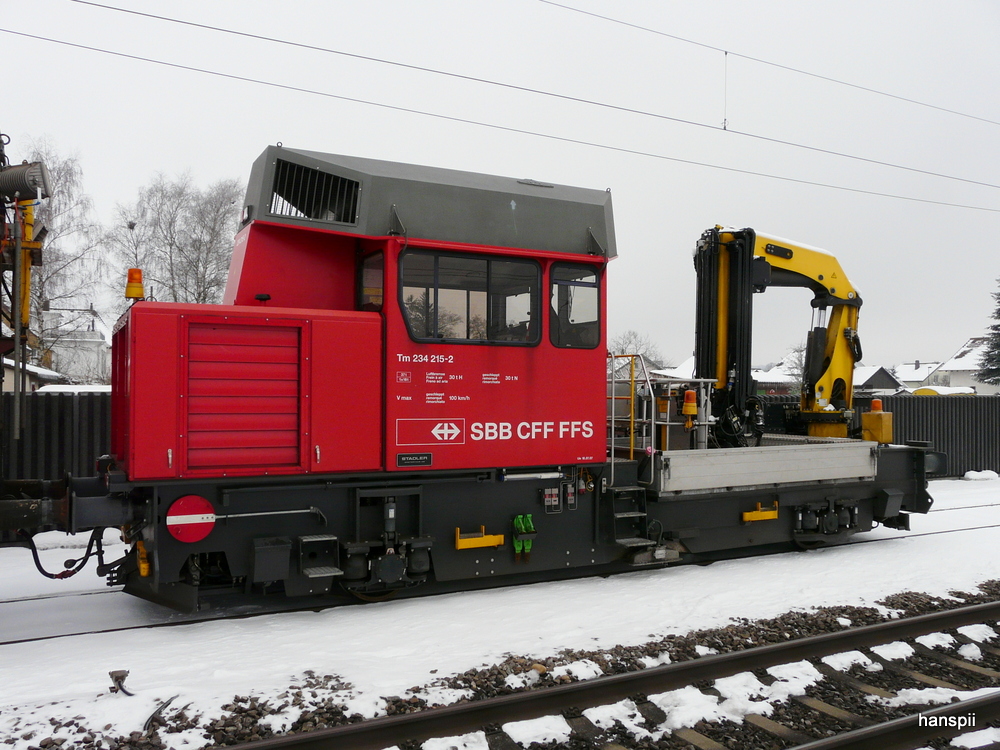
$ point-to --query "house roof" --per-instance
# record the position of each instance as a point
(874, 376)
(39, 372)
(683, 370)
(967, 357)
(917, 371)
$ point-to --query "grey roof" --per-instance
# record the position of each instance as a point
(376, 198)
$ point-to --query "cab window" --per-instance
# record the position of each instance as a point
(474, 299)
(576, 306)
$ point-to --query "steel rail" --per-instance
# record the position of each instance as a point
(458, 719)
(912, 731)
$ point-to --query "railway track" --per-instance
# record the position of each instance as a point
(857, 732)
(154, 616)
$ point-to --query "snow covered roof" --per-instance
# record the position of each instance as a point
(683, 370)
(39, 372)
(875, 376)
(916, 371)
(68, 388)
(943, 390)
(776, 374)
(967, 357)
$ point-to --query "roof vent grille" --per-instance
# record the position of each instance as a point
(304, 193)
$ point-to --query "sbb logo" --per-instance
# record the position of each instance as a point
(530, 430)
(491, 431)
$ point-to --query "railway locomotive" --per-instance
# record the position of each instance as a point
(406, 389)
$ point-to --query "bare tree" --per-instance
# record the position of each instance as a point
(180, 236)
(63, 287)
(633, 342)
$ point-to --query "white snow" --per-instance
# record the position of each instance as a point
(584, 669)
(932, 640)
(981, 475)
(545, 729)
(385, 649)
(845, 660)
(896, 650)
(978, 632)
(931, 696)
(977, 739)
(970, 652)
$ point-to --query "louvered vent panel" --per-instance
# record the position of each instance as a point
(305, 193)
(243, 396)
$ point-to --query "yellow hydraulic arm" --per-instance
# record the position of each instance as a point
(731, 265)
(832, 346)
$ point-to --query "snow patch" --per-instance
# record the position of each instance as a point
(897, 650)
(473, 741)
(981, 475)
(524, 679)
(625, 712)
(542, 730)
(977, 739)
(978, 632)
(657, 661)
(931, 696)
(934, 640)
(846, 659)
(584, 669)
(971, 651)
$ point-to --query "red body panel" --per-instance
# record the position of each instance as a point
(296, 266)
(208, 390)
(461, 406)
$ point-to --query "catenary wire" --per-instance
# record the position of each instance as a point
(789, 68)
(550, 94)
(503, 128)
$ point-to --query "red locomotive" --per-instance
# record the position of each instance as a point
(406, 389)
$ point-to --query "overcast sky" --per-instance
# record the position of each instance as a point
(634, 101)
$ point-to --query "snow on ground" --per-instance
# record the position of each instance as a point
(386, 649)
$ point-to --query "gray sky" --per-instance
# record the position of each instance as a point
(924, 270)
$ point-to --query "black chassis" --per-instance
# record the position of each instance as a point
(373, 534)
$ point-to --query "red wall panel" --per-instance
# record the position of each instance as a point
(298, 267)
(208, 390)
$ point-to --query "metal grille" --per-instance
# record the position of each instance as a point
(966, 428)
(243, 396)
(305, 193)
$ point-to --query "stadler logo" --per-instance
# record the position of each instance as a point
(446, 431)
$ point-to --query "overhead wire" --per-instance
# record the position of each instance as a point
(550, 94)
(771, 63)
(494, 126)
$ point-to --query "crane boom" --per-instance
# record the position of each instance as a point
(733, 264)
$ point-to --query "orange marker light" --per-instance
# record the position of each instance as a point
(690, 408)
(133, 287)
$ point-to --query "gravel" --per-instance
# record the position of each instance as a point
(316, 701)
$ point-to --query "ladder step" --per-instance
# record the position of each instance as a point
(324, 571)
(634, 541)
(623, 490)
(631, 514)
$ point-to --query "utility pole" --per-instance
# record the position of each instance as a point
(22, 187)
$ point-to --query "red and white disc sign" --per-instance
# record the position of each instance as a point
(190, 518)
